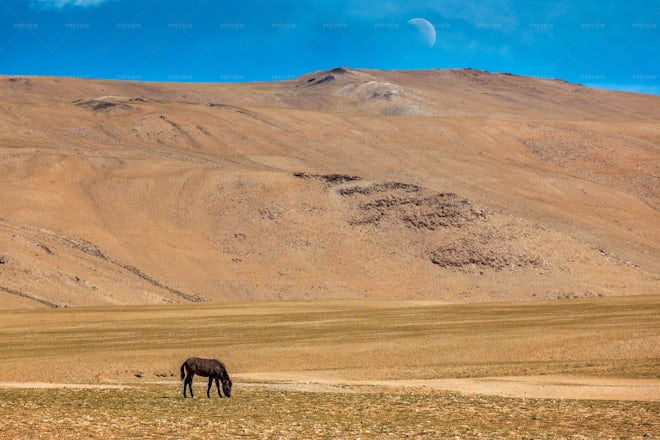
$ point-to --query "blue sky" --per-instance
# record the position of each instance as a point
(613, 44)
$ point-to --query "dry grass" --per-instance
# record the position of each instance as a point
(615, 337)
(159, 411)
(434, 340)
(389, 340)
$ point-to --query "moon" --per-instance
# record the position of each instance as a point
(425, 29)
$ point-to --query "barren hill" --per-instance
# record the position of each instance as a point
(456, 185)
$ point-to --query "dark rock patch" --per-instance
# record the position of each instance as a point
(98, 105)
(482, 252)
(412, 205)
(331, 179)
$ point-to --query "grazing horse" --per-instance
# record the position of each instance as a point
(211, 368)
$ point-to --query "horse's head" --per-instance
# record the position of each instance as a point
(226, 386)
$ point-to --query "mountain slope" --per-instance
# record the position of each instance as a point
(448, 184)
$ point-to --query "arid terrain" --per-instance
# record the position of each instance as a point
(454, 185)
(337, 369)
(373, 254)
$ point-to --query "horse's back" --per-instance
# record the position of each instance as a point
(204, 367)
(194, 360)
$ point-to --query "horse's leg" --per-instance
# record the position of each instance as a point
(208, 390)
(189, 379)
(217, 385)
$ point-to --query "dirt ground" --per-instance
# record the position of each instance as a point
(589, 349)
(462, 186)
(569, 369)
(428, 254)
(266, 411)
(537, 387)
(524, 387)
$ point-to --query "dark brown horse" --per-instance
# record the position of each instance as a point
(211, 368)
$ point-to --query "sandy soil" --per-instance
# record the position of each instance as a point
(539, 387)
(453, 185)
(524, 387)
(49, 385)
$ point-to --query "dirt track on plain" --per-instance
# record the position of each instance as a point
(537, 387)
(524, 387)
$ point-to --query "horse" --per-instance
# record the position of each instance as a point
(211, 368)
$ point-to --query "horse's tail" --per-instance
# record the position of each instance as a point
(183, 373)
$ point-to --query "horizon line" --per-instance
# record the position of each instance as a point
(240, 79)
